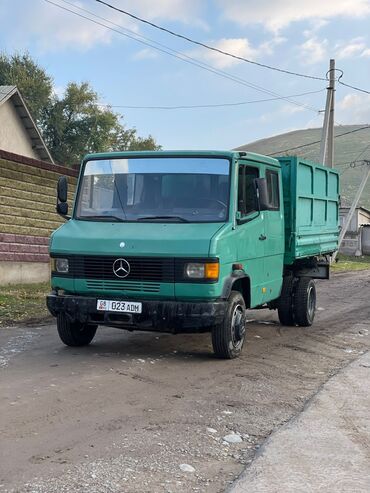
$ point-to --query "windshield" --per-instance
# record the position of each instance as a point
(155, 189)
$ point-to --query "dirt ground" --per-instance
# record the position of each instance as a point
(123, 414)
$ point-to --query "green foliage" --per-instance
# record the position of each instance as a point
(31, 80)
(78, 125)
(74, 124)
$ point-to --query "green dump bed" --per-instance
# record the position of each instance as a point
(311, 203)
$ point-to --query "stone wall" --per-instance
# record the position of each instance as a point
(27, 205)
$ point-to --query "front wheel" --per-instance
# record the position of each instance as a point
(74, 333)
(228, 337)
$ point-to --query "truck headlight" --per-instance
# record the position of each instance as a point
(60, 265)
(208, 270)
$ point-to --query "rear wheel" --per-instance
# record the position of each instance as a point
(304, 302)
(228, 337)
(75, 333)
(285, 303)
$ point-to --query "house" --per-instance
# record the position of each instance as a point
(18, 131)
(28, 178)
(351, 244)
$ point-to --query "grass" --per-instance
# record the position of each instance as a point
(23, 302)
(346, 263)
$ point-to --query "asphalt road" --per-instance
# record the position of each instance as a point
(123, 414)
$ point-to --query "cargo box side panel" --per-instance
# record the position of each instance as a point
(314, 198)
(288, 168)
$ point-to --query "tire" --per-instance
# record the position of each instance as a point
(75, 333)
(228, 337)
(305, 302)
(285, 303)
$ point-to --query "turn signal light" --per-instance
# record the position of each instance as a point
(212, 271)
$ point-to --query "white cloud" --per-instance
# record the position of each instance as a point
(145, 54)
(54, 29)
(59, 91)
(284, 112)
(313, 50)
(352, 48)
(268, 47)
(235, 46)
(276, 14)
(173, 10)
(354, 108)
(316, 25)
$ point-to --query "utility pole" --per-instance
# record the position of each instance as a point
(330, 155)
(349, 216)
(327, 135)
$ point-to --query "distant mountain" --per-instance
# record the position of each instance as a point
(347, 148)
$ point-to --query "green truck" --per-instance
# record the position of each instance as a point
(186, 242)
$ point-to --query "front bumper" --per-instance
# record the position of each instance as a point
(163, 316)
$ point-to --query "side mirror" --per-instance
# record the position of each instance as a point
(62, 195)
(62, 189)
(262, 194)
(62, 208)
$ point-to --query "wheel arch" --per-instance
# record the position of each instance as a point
(241, 283)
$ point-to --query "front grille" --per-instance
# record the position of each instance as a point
(144, 287)
(144, 271)
(141, 268)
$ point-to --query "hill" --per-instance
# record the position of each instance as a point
(353, 146)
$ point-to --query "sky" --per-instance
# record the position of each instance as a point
(294, 35)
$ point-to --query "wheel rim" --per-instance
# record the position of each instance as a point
(311, 302)
(238, 326)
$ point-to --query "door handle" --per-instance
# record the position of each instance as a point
(262, 237)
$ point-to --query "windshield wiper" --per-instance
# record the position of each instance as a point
(102, 218)
(155, 218)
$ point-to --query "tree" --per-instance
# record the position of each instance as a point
(77, 125)
(32, 81)
(74, 124)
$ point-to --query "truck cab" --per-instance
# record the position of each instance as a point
(173, 242)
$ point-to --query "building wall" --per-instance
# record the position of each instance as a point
(359, 217)
(13, 135)
(351, 243)
(363, 217)
(27, 205)
(353, 225)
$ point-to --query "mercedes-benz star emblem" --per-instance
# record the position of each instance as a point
(121, 267)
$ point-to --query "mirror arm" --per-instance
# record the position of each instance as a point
(64, 216)
(67, 217)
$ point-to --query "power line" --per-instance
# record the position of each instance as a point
(199, 106)
(208, 47)
(169, 51)
(318, 141)
(353, 87)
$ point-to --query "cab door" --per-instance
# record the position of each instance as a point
(274, 242)
(250, 230)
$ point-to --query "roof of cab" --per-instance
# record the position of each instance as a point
(251, 156)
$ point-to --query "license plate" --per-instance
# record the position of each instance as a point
(118, 306)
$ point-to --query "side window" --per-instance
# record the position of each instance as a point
(272, 179)
(246, 190)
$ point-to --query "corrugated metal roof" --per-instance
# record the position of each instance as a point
(11, 92)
